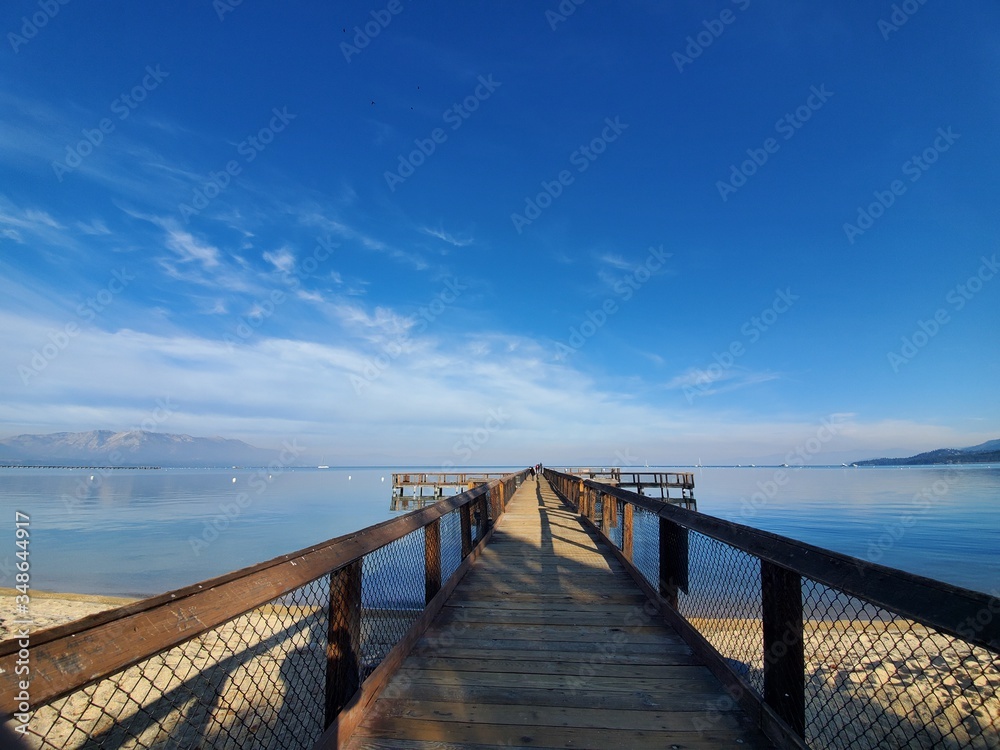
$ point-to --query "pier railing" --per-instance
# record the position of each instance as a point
(287, 653)
(821, 649)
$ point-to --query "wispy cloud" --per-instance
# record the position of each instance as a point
(93, 228)
(283, 260)
(188, 248)
(316, 218)
(616, 261)
(19, 224)
(451, 239)
(716, 380)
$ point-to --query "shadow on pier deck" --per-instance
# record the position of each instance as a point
(548, 643)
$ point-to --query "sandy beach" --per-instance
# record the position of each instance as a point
(47, 609)
(884, 679)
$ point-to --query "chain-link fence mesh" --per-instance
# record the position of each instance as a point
(877, 680)
(257, 681)
(265, 678)
(872, 679)
(723, 601)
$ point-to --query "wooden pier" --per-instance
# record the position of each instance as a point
(436, 482)
(676, 488)
(527, 612)
(548, 643)
(646, 483)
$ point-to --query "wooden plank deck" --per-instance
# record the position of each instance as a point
(546, 644)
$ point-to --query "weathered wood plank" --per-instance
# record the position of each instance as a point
(699, 678)
(560, 737)
(488, 652)
(548, 643)
(611, 668)
(525, 715)
(676, 695)
(499, 645)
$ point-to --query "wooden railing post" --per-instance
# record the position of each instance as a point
(432, 559)
(627, 532)
(343, 650)
(484, 524)
(606, 503)
(465, 514)
(784, 663)
(673, 560)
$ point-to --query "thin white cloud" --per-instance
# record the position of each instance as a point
(93, 228)
(283, 259)
(188, 248)
(714, 380)
(616, 261)
(23, 224)
(316, 218)
(448, 237)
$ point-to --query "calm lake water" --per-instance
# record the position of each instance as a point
(131, 532)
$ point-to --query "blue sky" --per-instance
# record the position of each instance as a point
(504, 232)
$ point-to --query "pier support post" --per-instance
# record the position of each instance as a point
(432, 559)
(784, 662)
(673, 561)
(343, 650)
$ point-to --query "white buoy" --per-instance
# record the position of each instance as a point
(91, 477)
(383, 479)
(348, 477)
(234, 480)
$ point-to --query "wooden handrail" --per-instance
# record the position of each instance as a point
(67, 658)
(957, 611)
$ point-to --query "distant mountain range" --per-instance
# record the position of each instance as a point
(984, 453)
(133, 448)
